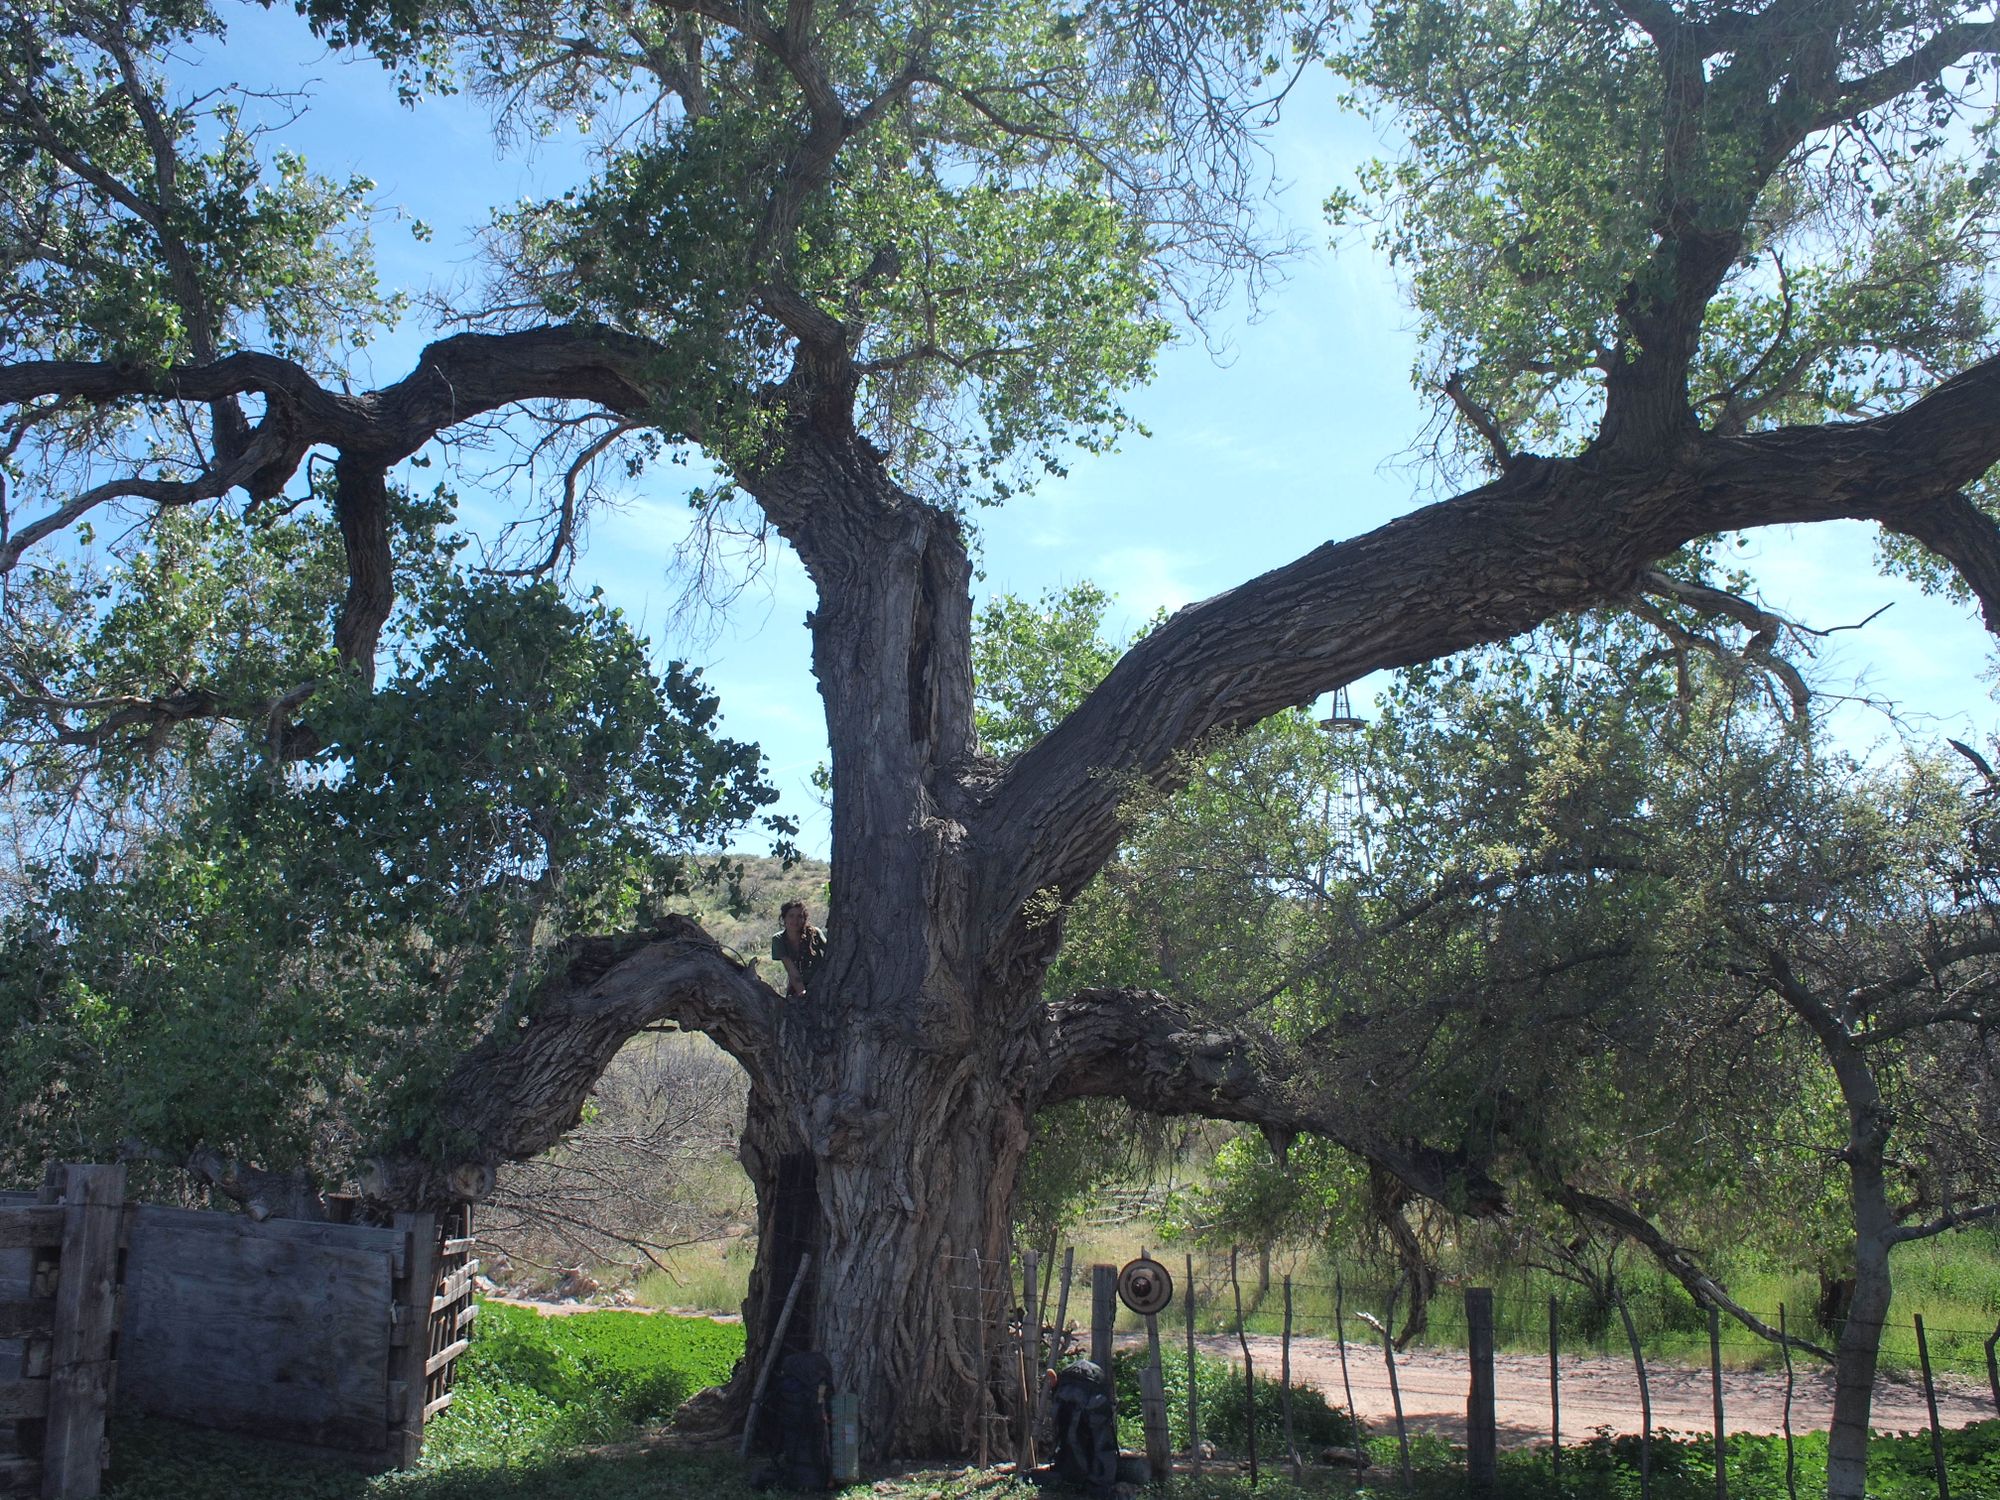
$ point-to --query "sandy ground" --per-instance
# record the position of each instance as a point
(1596, 1392)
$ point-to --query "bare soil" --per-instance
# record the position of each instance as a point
(1597, 1392)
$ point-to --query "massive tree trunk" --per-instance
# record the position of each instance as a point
(890, 1112)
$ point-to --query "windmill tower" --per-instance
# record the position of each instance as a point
(1343, 809)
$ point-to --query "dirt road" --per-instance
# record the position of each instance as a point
(1596, 1392)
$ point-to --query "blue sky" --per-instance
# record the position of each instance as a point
(1299, 433)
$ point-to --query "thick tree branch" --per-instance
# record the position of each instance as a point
(457, 378)
(513, 1095)
(1548, 537)
(1158, 1056)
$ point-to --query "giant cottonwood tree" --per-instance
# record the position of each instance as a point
(865, 256)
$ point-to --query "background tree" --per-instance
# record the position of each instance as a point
(1602, 873)
(865, 258)
(277, 979)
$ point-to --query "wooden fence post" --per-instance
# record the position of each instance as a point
(1930, 1401)
(1153, 1386)
(1791, 1457)
(1285, 1380)
(1993, 1365)
(409, 1364)
(1103, 1314)
(982, 1391)
(1193, 1399)
(86, 1314)
(1249, 1379)
(1555, 1394)
(1645, 1398)
(1346, 1384)
(1031, 1365)
(1715, 1383)
(1481, 1429)
(1055, 1338)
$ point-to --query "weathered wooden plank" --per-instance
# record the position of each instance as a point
(466, 1315)
(437, 1406)
(86, 1323)
(292, 1231)
(23, 1398)
(454, 1286)
(243, 1327)
(421, 1231)
(445, 1356)
(20, 1476)
(28, 1318)
(17, 1272)
(31, 1225)
(459, 1247)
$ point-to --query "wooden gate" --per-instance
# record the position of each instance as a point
(61, 1276)
(452, 1309)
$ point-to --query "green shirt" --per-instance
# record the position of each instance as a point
(809, 960)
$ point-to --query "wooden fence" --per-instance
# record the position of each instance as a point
(338, 1337)
(59, 1306)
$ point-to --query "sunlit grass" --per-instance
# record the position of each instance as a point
(712, 1278)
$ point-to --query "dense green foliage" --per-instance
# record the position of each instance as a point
(283, 966)
(1316, 1423)
(1556, 176)
(534, 1385)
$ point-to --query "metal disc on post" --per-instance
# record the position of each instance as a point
(1145, 1286)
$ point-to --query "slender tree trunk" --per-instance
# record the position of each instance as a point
(1861, 1336)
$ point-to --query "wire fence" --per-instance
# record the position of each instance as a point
(1018, 1318)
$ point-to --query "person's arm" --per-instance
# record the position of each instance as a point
(795, 983)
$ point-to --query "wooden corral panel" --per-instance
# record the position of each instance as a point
(278, 1330)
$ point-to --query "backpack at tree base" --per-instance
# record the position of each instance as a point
(1086, 1425)
(805, 1457)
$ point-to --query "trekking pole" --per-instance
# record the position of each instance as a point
(771, 1354)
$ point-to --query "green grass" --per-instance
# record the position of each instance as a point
(531, 1385)
(706, 1278)
(1316, 1422)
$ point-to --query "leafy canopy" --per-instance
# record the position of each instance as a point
(1561, 180)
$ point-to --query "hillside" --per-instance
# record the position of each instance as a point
(767, 886)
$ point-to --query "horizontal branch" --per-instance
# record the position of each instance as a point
(1158, 1056)
(456, 378)
(1944, 1223)
(514, 1094)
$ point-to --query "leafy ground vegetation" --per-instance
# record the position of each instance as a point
(573, 1407)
